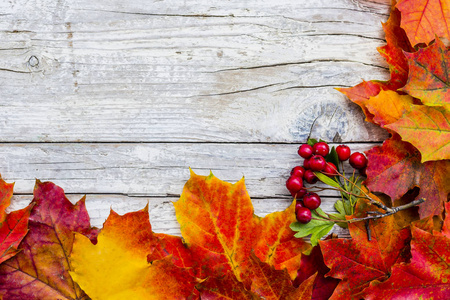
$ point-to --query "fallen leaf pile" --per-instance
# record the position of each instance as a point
(226, 250)
(49, 250)
(413, 106)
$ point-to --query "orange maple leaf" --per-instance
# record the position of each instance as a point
(388, 107)
(424, 19)
(428, 129)
(217, 218)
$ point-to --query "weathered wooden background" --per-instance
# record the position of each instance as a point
(117, 99)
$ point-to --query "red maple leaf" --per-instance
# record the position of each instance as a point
(41, 269)
(395, 168)
(13, 226)
(313, 263)
(427, 276)
(359, 261)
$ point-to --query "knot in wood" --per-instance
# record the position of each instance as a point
(33, 61)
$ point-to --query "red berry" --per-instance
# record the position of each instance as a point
(317, 163)
(299, 194)
(305, 151)
(343, 152)
(306, 165)
(298, 204)
(298, 171)
(310, 177)
(294, 184)
(358, 160)
(321, 148)
(311, 201)
(330, 170)
(303, 215)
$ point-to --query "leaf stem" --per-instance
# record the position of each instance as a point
(378, 215)
(373, 215)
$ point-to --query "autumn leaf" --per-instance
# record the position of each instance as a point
(13, 226)
(424, 19)
(323, 287)
(429, 79)
(6, 193)
(427, 276)
(426, 128)
(224, 288)
(388, 106)
(13, 229)
(395, 167)
(359, 261)
(397, 43)
(218, 224)
(174, 246)
(276, 244)
(272, 284)
(41, 269)
(360, 93)
(267, 283)
(117, 266)
(446, 225)
(218, 218)
(394, 53)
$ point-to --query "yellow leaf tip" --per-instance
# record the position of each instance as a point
(145, 209)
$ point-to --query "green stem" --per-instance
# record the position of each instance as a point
(330, 220)
(374, 202)
(342, 191)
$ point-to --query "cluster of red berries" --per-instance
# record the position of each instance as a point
(316, 161)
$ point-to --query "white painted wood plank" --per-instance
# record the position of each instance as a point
(153, 170)
(157, 172)
(161, 210)
(209, 71)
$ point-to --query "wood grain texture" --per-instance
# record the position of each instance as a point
(117, 99)
(161, 210)
(201, 71)
(154, 170)
(127, 176)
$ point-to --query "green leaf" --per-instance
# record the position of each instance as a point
(327, 180)
(316, 228)
(339, 217)
(332, 157)
(348, 206)
(317, 235)
(311, 142)
(320, 212)
(339, 205)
